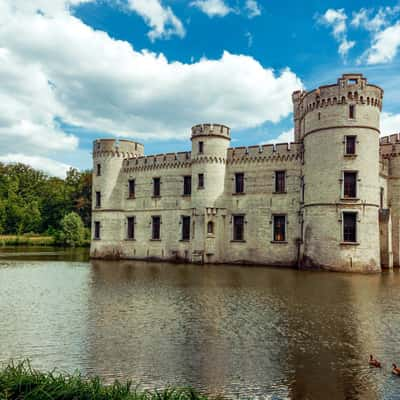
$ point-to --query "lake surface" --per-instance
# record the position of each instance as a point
(237, 331)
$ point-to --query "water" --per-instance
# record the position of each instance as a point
(236, 331)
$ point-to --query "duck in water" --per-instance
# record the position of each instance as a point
(373, 362)
(395, 370)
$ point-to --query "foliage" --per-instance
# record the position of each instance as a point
(31, 201)
(72, 230)
(21, 381)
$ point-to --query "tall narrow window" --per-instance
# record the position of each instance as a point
(352, 111)
(97, 230)
(238, 227)
(349, 184)
(156, 225)
(156, 187)
(239, 182)
(382, 196)
(185, 227)
(279, 228)
(131, 228)
(349, 227)
(210, 227)
(98, 199)
(200, 181)
(303, 188)
(187, 185)
(201, 147)
(350, 144)
(98, 169)
(280, 181)
(131, 188)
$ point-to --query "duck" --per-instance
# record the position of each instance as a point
(374, 362)
(395, 370)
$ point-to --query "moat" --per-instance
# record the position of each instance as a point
(230, 330)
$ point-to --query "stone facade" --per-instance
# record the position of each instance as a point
(329, 200)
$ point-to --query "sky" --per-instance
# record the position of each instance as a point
(72, 71)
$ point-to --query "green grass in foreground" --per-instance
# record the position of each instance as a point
(27, 240)
(20, 381)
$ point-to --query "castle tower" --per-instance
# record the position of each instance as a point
(108, 188)
(339, 127)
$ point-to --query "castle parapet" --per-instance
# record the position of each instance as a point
(167, 160)
(211, 130)
(117, 148)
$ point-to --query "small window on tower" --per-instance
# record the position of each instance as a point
(98, 199)
(156, 227)
(210, 227)
(238, 227)
(352, 111)
(239, 182)
(131, 188)
(187, 185)
(350, 145)
(98, 171)
(131, 228)
(349, 184)
(200, 181)
(201, 147)
(97, 230)
(280, 181)
(156, 187)
(279, 228)
(185, 227)
(350, 227)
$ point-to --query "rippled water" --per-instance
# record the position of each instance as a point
(236, 331)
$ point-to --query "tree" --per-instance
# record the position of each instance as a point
(72, 230)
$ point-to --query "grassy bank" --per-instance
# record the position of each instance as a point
(20, 381)
(32, 240)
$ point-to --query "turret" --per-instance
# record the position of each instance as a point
(339, 127)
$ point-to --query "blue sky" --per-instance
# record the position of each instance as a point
(76, 70)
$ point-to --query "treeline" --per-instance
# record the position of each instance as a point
(33, 202)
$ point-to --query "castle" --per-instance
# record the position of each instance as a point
(330, 200)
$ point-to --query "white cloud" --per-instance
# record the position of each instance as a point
(365, 19)
(161, 19)
(284, 137)
(47, 165)
(390, 123)
(213, 8)
(336, 19)
(249, 38)
(253, 8)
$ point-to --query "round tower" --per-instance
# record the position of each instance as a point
(339, 127)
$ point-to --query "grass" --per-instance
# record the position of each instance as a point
(31, 240)
(20, 381)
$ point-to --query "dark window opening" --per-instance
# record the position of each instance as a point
(280, 184)
(382, 196)
(201, 180)
(239, 182)
(210, 227)
(156, 225)
(279, 228)
(303, 187)
(238, 227)
(187, 185)
(319, 116)
(98, 199)
(201, 147)
(352, 111)
(351, 144)
(98, 170)
(352, 81)
(131, 188)
(349, 227)
(185, 228)
(97, 230)
(350, 184)
(131, 228)
(156, 187)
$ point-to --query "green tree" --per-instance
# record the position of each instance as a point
(72, 230)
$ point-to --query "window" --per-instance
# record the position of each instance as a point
(97, 230)
(349, 184)
(239, 182)
(352, 81)
(201, 181)
(98, 169)
(350, 142)
(280, 184)
(185, 228)
(238, 227)
(156, 225)
(279, 228)
(201, 147)
(303, 188)
(131, 188)
(156, 187)
(352, 111)
(187, 185)
(131, 228)
(98, 199)
(381, 197)
(349, 227)
(210, 227)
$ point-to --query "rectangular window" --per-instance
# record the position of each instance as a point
(303, 188)
(187, 185)
(201, 181)
(185, 228)
(98, 169)
(201, 147)
(239, 182)
(98, 199)
(352, 111)
(131, 188)
(156, 187)
(381, 197)
(279, 228)
(349, 184)
(156, 225)
(97, 230)
(238, 227)
(350, 144)
(280, 184)
(131, 228)
(349, 227)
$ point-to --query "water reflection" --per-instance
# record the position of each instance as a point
(236, 331)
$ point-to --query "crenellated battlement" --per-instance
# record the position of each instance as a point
(389, 146)
(211, 130)
(167, 160)
(117, 148)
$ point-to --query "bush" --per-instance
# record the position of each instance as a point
(72, 231)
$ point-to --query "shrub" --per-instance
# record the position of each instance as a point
(72, 230)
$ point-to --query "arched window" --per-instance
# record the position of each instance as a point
(210, 227)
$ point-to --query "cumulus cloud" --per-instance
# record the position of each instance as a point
(390, 123)
(253, 8)
(337, 20)
(161, 19)
(284, 137)
(213, 8)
